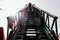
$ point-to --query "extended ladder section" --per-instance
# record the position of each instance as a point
(32, 29)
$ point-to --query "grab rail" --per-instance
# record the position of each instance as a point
(47, 16)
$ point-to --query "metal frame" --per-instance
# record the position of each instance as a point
(47, 16)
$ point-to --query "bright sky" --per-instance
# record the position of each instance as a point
(11, 8)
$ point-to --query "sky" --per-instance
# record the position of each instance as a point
(11, 8)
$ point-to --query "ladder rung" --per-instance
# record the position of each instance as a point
(30, 29)
(30, 34)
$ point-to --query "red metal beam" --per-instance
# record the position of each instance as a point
(1, 33)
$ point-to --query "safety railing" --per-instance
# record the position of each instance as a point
(47, 20)
(14, 29)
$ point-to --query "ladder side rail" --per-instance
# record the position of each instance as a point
(47, 21)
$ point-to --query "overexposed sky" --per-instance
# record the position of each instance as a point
(11, 8)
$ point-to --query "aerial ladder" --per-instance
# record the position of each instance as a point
(36, 27)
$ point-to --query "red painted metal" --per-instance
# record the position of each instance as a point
(24, 12)
(10, 22)
(1, 33)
